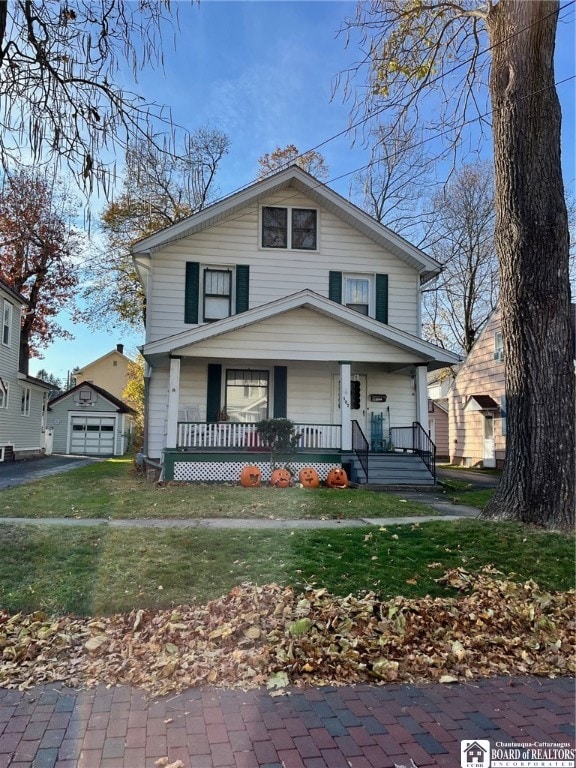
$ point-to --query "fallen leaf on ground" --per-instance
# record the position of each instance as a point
(270, 636)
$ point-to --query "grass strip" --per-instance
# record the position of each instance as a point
(100, 570)
(111, 489)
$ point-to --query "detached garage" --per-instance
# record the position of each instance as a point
(88, 420)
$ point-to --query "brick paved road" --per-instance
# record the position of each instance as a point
(340, 727)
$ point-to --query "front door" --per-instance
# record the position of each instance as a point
(358, 399)
(489, 455)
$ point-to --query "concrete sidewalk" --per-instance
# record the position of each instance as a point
(389, 726)
(233, 523)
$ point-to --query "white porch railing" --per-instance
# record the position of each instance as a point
(231, 434)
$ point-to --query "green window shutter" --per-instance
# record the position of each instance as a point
(382, 298)
(242, 288)
(280, 391)
(335, 287)
(214, 391)
(191, 292)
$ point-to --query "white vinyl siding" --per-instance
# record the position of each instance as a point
(275, 273)
(300, 334)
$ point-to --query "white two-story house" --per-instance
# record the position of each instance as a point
(23, 398)
(284, 300)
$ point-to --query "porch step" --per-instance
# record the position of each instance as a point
(391, 469)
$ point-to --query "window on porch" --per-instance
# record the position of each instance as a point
(247, 395)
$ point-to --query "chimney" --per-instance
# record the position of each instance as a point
(120, 348)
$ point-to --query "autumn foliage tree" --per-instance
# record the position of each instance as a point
(311, 161)
(459, 54)
(37, 245)
(133, 395)
(159, 188)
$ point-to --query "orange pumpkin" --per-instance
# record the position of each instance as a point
(308, 477)
(337, 478)
(281, 478)
(250, 477)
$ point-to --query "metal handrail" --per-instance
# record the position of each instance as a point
(360, 446)
(424, 447)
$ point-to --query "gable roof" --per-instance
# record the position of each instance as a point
(120, 406)
(309, 300)
(292, 180)
(13, 293)
(102, 357)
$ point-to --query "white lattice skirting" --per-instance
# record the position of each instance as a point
(229, 471)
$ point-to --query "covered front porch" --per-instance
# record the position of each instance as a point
(351, 385)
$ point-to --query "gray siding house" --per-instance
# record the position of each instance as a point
(88, 420)
(23, 398)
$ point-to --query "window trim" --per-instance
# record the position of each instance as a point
(289, 229)
(217, 268)
(25, 401)
(498, 346)
(269, 387)
(5, 392)
(7, 309)
(371, 279)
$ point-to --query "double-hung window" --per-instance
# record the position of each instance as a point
(4, 388)
(294, 228)
(217, 294)
(358, 293)
(25, 402)
(498, 346)
(7, 324)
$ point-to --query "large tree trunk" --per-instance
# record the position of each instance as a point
(537, 485)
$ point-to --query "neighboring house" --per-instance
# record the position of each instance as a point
(109, 371)
(23, 399)
(439, 384)
(88, 420)
(285, 300)
(477, 402)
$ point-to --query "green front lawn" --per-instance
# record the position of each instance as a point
(102, 570)
(112, 489)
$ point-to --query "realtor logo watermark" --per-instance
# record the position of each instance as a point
(480, 753)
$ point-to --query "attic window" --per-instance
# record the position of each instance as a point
(294, 228)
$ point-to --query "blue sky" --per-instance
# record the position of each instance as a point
(264, 73)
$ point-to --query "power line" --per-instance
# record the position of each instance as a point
(364, 120)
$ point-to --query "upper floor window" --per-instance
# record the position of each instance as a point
(357, 293)
(217, 294)
(294, 228)
(498, 346)
(25, 403)
(7, 324)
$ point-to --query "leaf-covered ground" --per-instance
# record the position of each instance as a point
(271, 636)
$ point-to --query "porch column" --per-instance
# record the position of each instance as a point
(173, 400)
(421, 383)
(345, 406)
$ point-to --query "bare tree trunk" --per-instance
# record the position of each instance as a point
(538, 482)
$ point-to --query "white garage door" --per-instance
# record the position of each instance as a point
(93, 435)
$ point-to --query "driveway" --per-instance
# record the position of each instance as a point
(17, 472)
(479, 480)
